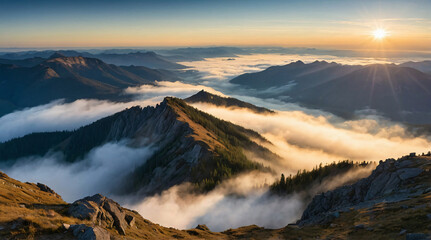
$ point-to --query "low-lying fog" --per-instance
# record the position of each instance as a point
(303, 138)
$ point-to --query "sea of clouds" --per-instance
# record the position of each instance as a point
(302, 137)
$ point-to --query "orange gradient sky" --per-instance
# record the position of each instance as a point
(320, 24)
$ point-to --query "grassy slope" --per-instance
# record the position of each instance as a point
(381, 221)
(223, 140)
(42, 214)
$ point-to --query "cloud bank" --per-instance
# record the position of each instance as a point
(99, 172)
(58, 115)
(302, 137)
(221, 68)
(305, 140)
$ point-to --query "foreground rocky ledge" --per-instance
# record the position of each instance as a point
(394, 202)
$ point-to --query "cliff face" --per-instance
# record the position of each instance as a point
(190, 146)
(30, 211)
(392, 181)
(392, 203)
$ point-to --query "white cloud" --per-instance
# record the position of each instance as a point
(101, 171)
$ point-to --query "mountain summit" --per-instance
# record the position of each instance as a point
(191, 146)
(206, 97)
(397, 92)
(70, 78)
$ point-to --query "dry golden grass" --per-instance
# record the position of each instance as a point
(199, 132)
(42, 215)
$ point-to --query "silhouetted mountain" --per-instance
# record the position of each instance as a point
(192, 146)
(147, 59)
(197, 54)
(152, 74)
(206, 97)
(297, 75)
(57, 55)
(28, 62)
(399, 93)
(43, 54)
(70, 78)
(424, 66)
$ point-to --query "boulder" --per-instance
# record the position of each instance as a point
(407, 173)
(83, 232)
(203, 227)
(130, 220)
(47, 189)
(101, 211)
(417, 236)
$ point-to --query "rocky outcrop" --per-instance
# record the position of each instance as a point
(47, 189)
(101, 211)
(83, 232)
(387, 182)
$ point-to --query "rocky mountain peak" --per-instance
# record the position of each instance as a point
(56, 55)
(391, 181)
(206, 97)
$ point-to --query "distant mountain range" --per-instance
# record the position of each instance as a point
(70, 78)
(424, 66)
(206, 97)
(199, 54)
(400, 93)
(192, 146)
(147, 59)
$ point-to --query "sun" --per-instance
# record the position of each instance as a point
(380, 33)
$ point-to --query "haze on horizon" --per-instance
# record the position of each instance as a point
(323, 24)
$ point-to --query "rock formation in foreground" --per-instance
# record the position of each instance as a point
(392, 203)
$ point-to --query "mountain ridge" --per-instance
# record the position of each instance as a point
(39, 212)
(206, 97)
(71, 78)
(396, 92)
(189, 142)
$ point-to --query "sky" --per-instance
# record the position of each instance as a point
(330, 24)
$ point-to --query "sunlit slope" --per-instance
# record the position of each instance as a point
(190, 146)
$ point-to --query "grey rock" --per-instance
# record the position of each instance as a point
(45, 188)
(360, 226)
(83, 232)
(118, 215)
(203, 227)
(336, 214)
(407, 173)
(19, 223)
(130, 220)
(384, 184)
(66, 226)
(101, 211)
(405, 163)
(417, 236)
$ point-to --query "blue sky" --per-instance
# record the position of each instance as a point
(204, 23)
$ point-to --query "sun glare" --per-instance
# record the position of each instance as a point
(380, 33)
